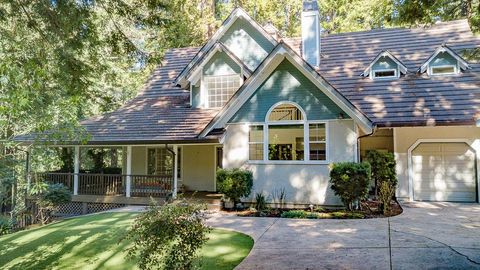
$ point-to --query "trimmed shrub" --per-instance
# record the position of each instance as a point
(383, 168)
(350, 181)
(168, 236)
(235, 183)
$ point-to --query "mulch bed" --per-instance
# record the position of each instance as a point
(370, 209)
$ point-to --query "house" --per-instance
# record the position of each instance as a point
(286, 108)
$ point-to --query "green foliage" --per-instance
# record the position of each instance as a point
(235, 183)
(297, 214)
(260, 202)
(387, 191)
(5, 225)
(383, 168)
(417, 12)
(168, 236)
(48, 197)
(279, 196)
(321, 215)
(350, 181)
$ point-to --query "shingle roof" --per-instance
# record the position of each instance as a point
(413, 99)
(161, 111)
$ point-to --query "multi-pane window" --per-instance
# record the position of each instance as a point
(221, 88)
(159, 161)
(288, 136)
(255, 143)
(317, 142)
(285, 112)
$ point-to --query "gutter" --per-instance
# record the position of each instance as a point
(374, 129)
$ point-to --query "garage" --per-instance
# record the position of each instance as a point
(444, 172)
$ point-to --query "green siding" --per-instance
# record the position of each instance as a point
(384, 62)
(248, 44)
(221, 64)
(443, 59)
(287, 83)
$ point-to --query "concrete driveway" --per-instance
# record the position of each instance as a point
(425, 236)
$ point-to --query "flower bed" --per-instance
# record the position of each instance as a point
(370, 209)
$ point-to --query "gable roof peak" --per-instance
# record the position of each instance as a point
(441, 49)
(280, 53)
(385, 53)
(227, 23)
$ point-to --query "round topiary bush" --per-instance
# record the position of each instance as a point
(350, 181)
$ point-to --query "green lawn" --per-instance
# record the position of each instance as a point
(92, 242)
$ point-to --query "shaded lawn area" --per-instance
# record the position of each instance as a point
(93, 242)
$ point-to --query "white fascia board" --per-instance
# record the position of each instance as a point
(401, 66)
(265, 69)
(461, 62)
(195, 74)
(237, 13)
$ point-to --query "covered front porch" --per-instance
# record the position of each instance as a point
(136, 174)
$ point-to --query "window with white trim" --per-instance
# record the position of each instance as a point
(443, 70)
(443, 64)
(384, 73)
(318, 141)
(288, 136)
(286, 142)
(255, 142)
(159, 161)
(220, 88)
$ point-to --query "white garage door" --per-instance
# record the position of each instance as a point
(444, 172)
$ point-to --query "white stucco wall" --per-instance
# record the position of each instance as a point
(404, 138)
(304, 183)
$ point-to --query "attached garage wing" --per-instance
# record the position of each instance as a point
(444, 172)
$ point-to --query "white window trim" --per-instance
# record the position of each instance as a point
(306, 137)
(206, 103)
(146, 158)
(455, 70)
(252, 143)
(373, 71)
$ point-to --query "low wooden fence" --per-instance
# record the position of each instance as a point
(101, 184)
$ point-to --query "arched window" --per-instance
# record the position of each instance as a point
(287, 136)
(286, 140)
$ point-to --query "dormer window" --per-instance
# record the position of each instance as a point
(443, 70)
(385, 73)
(384, 66)
(443, 62)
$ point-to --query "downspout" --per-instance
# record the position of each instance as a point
(374, 129)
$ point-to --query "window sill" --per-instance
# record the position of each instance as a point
(287, 162)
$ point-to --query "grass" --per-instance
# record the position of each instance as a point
(93, 242)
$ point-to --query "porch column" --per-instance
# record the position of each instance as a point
(76, 170)
(128, 184)
(175, 171)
